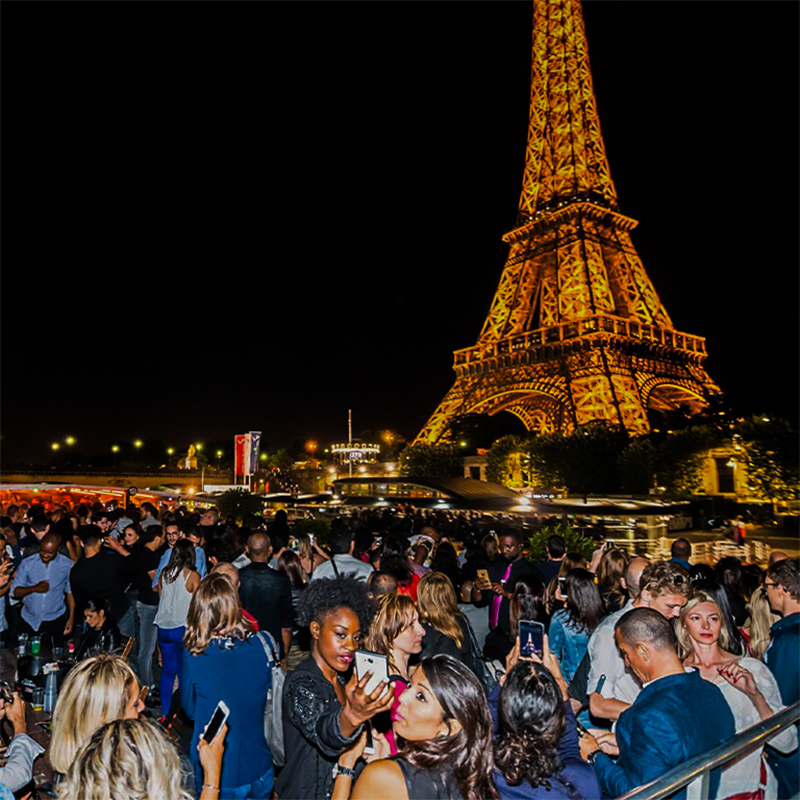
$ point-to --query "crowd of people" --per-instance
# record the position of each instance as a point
(642, 664)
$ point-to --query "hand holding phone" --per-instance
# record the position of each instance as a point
(375, 663)
(531, 638)
(484, 581)
(218, 718)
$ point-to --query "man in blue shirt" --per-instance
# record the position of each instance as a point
(677, 715)
(199, 554)
(42, 583)
(783, 658)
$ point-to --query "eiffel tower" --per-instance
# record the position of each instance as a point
(576, 332)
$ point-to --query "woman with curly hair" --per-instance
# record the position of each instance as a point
(446, 731)
(323, 714)
(536, 749)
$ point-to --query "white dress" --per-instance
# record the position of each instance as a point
(744, 773)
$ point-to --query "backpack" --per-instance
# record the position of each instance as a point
(273, 711)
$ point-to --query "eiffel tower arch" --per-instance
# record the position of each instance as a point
(576, 332)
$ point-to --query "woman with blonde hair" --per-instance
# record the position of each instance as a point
(747, 685)
(760, 619)
(395, 632)
(96, 691)
(224, 659)
(446, 628)
(132, 759)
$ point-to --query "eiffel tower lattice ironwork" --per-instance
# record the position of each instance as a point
(576, 331)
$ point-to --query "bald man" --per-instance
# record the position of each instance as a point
(267, 594)
(42, 583)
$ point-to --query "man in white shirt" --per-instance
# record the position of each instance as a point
(662, 586)
(342, 561)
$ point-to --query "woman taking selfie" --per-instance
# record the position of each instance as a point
(747, 685)
(322, 714)
(446, 730)
(395, 632)
(219, 645)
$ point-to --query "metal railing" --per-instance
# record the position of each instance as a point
(700, 767)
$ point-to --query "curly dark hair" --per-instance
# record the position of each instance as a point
(324, 595)
(531, 721)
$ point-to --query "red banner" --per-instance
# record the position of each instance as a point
(240, 446)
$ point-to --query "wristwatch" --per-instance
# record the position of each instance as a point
(592, 757)
(338, 769)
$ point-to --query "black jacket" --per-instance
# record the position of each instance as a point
(267, 595)
(313, 734)
(105, 639)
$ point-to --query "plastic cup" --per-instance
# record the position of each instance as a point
(36, 645)
(38, 700)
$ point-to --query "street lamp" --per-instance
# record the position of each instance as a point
(138, 443)
(70, 440)
(55, 446)
(115, 450)
(219, 456)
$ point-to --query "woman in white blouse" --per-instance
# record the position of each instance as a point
(748, 686)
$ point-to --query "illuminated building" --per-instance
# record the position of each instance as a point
(576, 332)
(355, 453)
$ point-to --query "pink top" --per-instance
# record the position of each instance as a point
(399, 687)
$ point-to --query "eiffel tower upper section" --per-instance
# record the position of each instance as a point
(576, 331)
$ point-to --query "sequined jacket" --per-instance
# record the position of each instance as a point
(312, 734)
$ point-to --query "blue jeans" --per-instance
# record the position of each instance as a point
(259, 789)
(170, 640)
(146, 635)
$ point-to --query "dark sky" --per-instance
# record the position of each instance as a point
(224, 217)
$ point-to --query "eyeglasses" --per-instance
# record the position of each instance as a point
(767, 583)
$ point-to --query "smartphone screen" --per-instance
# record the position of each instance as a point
(531, 638)
(610, 544)
(562, 584)
(377, 663)
(218, 718)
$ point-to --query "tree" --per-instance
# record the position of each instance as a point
(576, 543)
(638, 464)
(239, 503)
(500, 461)
(431, 461)
(769, 450)
(681, 456)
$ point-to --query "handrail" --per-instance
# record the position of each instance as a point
(701, 765)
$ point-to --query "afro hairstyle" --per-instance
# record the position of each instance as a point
(324, 595)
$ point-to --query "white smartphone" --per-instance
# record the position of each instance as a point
(216, 722)
(377, 663)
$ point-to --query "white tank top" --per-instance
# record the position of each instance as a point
(173, 605)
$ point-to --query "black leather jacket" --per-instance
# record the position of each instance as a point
(105, 639)
(313, 735)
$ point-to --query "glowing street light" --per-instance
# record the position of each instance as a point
(55, 446)
(115, 448)
(311, 446)
(138, 443)
(198, 447)
(170, 451)
(70, 440)
(219, 456)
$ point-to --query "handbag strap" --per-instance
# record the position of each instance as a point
(269, 647)
(333, 564)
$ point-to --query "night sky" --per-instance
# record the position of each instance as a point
(230, 217)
